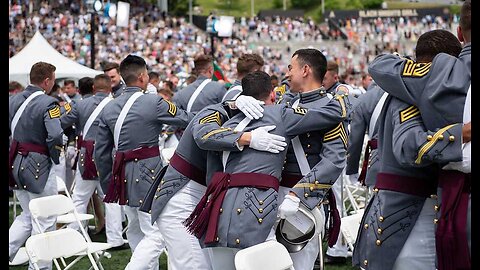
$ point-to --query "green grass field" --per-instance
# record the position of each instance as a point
(120, 258)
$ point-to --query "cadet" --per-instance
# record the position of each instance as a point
(203, 91)
(184, 184)
(112, 70)
(398, 224)
(365, 119)
(439, 89)
(36, 143)
(242, 201)
(314, 159)
(131, 123)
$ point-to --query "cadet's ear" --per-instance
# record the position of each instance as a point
(460, 34)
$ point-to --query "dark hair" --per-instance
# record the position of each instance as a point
(202, 62)
(40, 71)
(131, 67)
(191, 79)
(67, 82)
(153, 75)
(433, 42)
(248, 62)
(274, 77)
(111, 65)
(257, 84)
(332, 66)
(14, 85)
(466, 16)
(85, 85)
(315, 59)
(102, 82)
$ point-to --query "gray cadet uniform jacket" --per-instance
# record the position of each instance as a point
(39, 125)
(189, 159)
(233, 92)
(358, 127)
(325, 152)
(391, 215)
(248, 213)
(78, 116)
(140, 130)
(211, 94)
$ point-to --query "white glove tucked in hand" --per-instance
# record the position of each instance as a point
(250, 106)
(64, 139)
(71, 153)
(289, 206)
(263, 141)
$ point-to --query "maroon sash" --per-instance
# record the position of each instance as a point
(204, 219)
(421, 187)
(116, 189)
(371, 145)
(187, 169)
(451, 235)
(22, 149)
(90, 170)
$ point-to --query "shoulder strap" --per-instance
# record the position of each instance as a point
(375, 114)
(236, 87)
(241, 126)
(298, 150)
(94, 115)
(121, 117)
(195, 94)
(20, 110)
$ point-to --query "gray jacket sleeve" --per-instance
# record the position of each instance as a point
(414, 145)
(168, 113)
(54, 132)
(358, 128)
(70, 118)
(103, 153)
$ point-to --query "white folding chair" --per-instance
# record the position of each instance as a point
(57, 205)
(20, 258)
(61, 243)
(269, 255)
(349, 227)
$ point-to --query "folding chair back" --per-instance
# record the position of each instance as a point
(269, 255)
(48, 206)
(349, 227)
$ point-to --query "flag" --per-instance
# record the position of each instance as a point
(218, 74)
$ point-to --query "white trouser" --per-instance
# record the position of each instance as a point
(340, 249)
(184, 251)
(145, 240)
(113, 223)
(418, 252)
(222, 258)
(23, 226)
(305, 258)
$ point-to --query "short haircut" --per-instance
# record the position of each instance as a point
(85, 86)
(153, 75)
(102, 81)
(191, 79)
(433, 42)
(273, 77)
(315, 59)
(67, 82)
(257, 84)
(466, 16)
(249, 62)
(131, 67)
(40, 71)
(14, 85)
(332, 66)
(202, 62)
(111, 65)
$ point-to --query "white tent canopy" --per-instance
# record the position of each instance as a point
(38, 49)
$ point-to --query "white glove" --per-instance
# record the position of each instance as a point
(353, 178)
(65, 139)
(71, 153)
(289, 206)
(250, 106)
(263, 141)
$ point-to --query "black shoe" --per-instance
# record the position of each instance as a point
(334, 260)
(121, 247)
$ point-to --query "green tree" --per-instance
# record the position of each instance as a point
(277, 3)
(179, 7)
(372, 4)
(303, 3)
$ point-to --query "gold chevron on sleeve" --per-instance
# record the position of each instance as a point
(337, 132)
(214, 117)
(281, 89)
(408, 113)
(54, 113)
(300, 110)
(172, 109)
(412, 69)
(67, 107)
(215, 131)
(431, 143)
